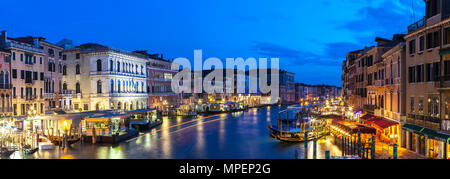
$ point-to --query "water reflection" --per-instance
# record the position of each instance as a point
(232, 135)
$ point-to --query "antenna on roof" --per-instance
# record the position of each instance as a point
(413, 18)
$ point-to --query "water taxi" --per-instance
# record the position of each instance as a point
(108, 128)
(215, 108)
(145, 118)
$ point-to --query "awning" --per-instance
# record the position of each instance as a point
(380, 123)
(444, 137)
(353, 127)
(367, 117)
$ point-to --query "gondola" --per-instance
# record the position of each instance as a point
(5, 153)
(69, 141)
(27, 150)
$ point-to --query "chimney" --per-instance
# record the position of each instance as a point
(3, 37)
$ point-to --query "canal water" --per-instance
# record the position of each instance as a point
(239, 135)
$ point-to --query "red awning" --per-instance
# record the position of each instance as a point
(380, 123)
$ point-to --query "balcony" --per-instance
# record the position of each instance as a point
(98, 95)
(424, 121)
(98, 73)
(30, 98)
(161, 79)
(49, 95)
(417, 25)
(24, 46)
(67, 93)
(379, 83)
(445, 82)
(370, 107)
(5, 86)
(78, 95)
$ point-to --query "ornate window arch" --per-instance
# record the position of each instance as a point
(99, 86)
(99, 65)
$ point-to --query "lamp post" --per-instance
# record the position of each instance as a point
(64, 140)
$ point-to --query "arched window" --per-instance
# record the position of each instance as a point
(99, 65)
(118, 86)
(3, 103)
(136, 88)
(64, 70)
(65, 86)
(2, 80)
(112, 86)
(77, 69)
(8, 105)
(118, 66)
(60, 68)
(124, 89)
(111, 65)
(99, 86)
(77, 88)
(7, 78)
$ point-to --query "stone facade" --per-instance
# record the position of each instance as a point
(27, 72)
(103, 78)
(159, 82)
(395, 87)
(5, 83)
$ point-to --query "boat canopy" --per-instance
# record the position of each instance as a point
(122, 116)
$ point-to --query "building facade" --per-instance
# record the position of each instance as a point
(287, 87)
(5, 83)
(103, 78)
(27, 74)
(427, 87)
(395, 86)
(53, 64)
(160, 94)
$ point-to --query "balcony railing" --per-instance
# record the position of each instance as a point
(417, 25)
(162, 79)
(379, 83)
(49, 95)
(5, 86)
(96, 95)
(139, 75)
(30, 98)
(445, 82)
(424, 121)
(370, 107)
(24, 46)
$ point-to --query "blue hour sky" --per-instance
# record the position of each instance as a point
(311, 38)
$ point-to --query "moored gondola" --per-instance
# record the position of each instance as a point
(5, 153)
(28, 150)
